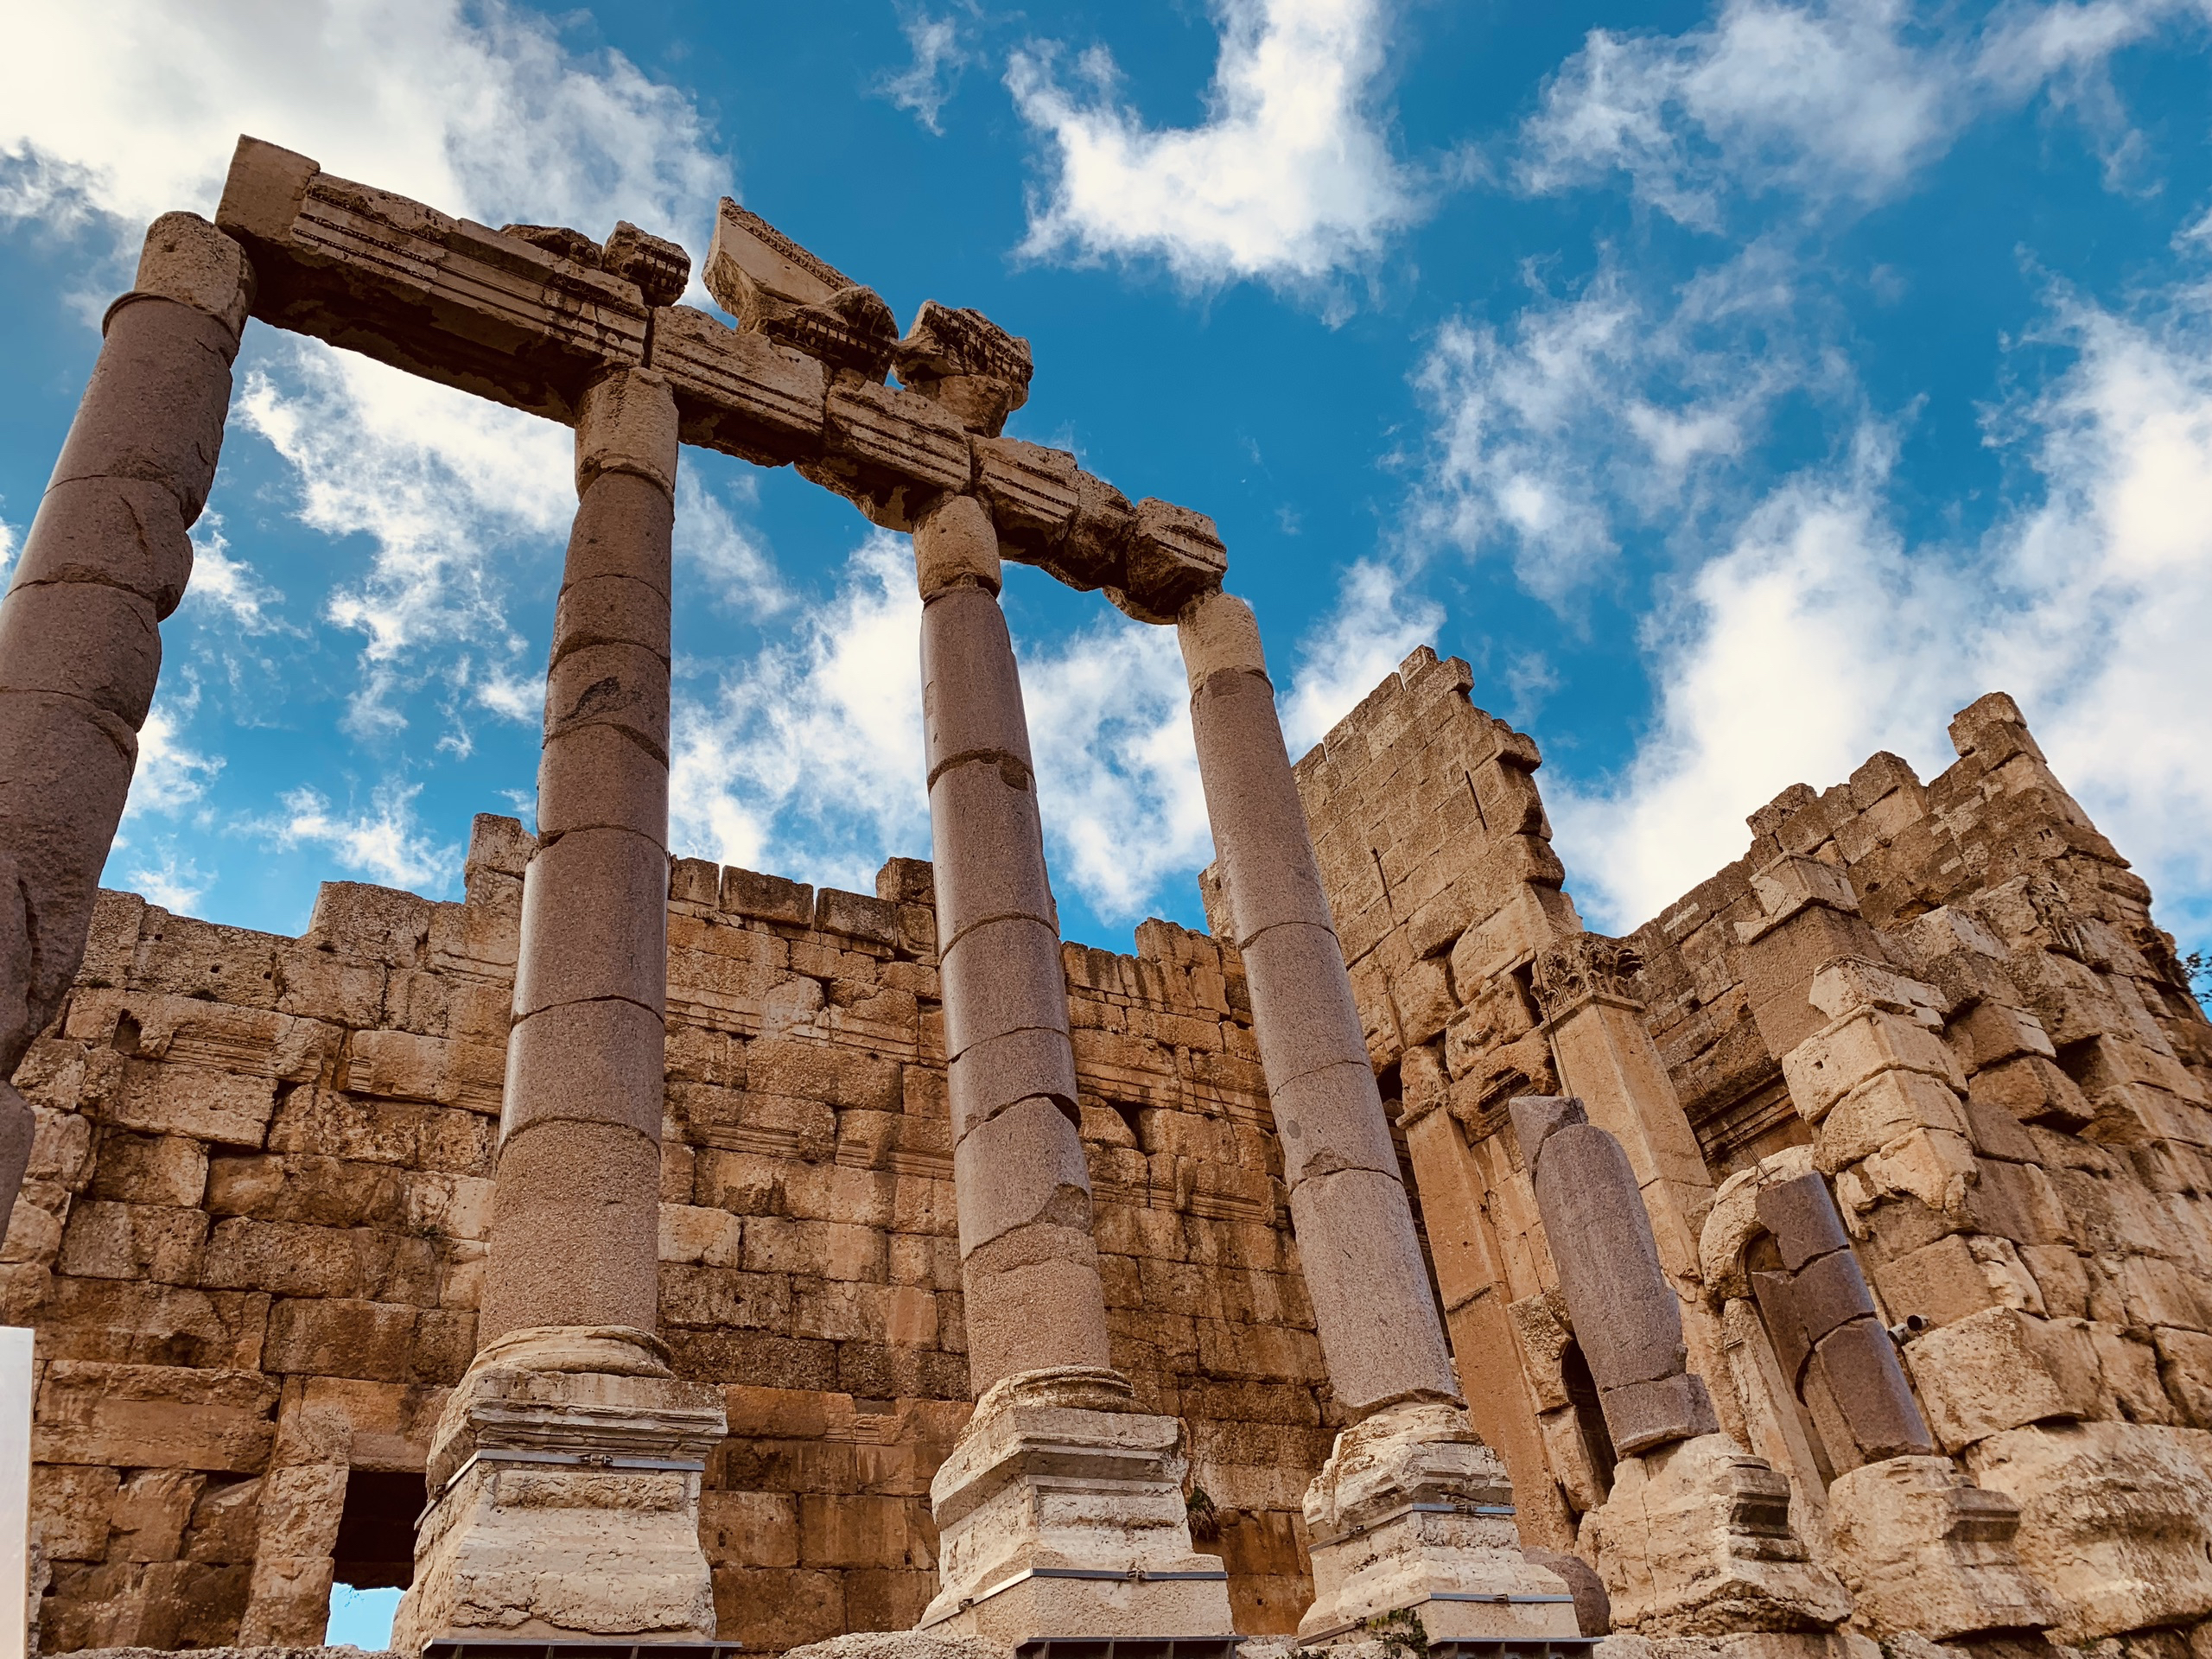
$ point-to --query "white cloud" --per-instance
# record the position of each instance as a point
(925, 85)
(1290, 177)
(1599, 412)
(175, 884)
(1377, 620)
(1821, 635)
(807, 760)
(12, 543)
(728, 554)
(382, 841)
(1841, 100)
(130, 108)
(171, 775)
(226, 585)
(437, 480)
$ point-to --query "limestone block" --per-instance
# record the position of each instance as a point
(168, 1098)
(69, 1510)
(1957, 1276)
(1844, 1054)
(2185, 1365)
(1219, 635)
(154, 1416)
(1991, 1034)
(2114, 1521)
(187, 259)
(452, 301)
(134, 1240)
(1922, 1548)
(371, 924)
(1886, 1109)
(1174, 555)
(2000, 1368)
(1422, 994)
(738, 392)
(627, 423)
(1695, 1539)
(2034, 1090)
(890, 451)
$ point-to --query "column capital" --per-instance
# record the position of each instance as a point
(955, 539)
(1217, 631)
(627, 424)
(188, 260)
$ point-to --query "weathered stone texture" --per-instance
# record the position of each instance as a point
(1947, 1004)
(260, 1191)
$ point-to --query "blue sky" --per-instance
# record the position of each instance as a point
(1741, 388)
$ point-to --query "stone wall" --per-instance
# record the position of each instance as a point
(252, 1235)
(1948, 999)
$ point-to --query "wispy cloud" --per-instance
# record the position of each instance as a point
(165, 878)
(129, 108)
(1839, 101)
(726, 552)
(171, 774)
(229, 587)
(1289, 178)
(924, 87)
(382, 841)
(1378, 618)
(1823, 632)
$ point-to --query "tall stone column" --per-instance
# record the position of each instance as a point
(1060, 1510)
(564, 1472)
(106, 560)
(1412, 1510)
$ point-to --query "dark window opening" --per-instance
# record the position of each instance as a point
(1589, 1416)
(1133, 1117)
(376, 1529)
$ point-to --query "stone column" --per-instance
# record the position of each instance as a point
(564, 1472)
(1412, 1510)
(1696, 1527)
(106, 560)
(1061, 1511)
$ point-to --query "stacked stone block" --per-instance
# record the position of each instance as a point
(253, 1236)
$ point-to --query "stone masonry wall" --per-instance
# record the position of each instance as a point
(252, 1235)
(1949, 999)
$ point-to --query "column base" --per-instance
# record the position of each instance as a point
(1925, 1550)
(1695, 1539)
(564, 1476)
(1060, 1515)
(1411, 1517)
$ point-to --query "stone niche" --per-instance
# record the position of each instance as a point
(252, 1235)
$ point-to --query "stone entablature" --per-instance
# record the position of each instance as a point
(252, 1242)
(1948, 1006)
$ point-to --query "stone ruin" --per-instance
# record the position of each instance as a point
(639, 1251)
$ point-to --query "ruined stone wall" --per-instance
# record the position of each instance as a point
(1949, 999)
(252, 1237)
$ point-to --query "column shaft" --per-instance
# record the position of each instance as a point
(575, 1206)
(1028, 1264)
(1379, 1333)
(106, 560)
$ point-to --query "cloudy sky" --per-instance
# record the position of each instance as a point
(1740, 388)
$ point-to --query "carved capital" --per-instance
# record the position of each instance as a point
(1569, 972)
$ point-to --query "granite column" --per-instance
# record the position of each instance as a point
(564, 1472)
(81, 644)
(1412, 1512)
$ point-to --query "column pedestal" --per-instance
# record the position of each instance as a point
(1060, 1515)
(1696, 1540)
(1413, 1513)
(1923, 1549)
(564, 1477)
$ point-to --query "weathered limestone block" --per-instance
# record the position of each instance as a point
(1060, 1513)
(1413, 1511)
(962, 361)
(775, 287)
(460, 303)
(564, 1477)
(154, 1416)
(2115, 1521)
(2000, 1368)
(1922, 1549)
(739, 393)
(1695, 1539)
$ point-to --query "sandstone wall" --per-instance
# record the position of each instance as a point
(1949, 999)
(252, 1237)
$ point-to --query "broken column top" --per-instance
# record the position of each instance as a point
(772, 286)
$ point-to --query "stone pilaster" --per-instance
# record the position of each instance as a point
(1061, 1511)
(1412, 1512)
(564, 1472)
(80, 647)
